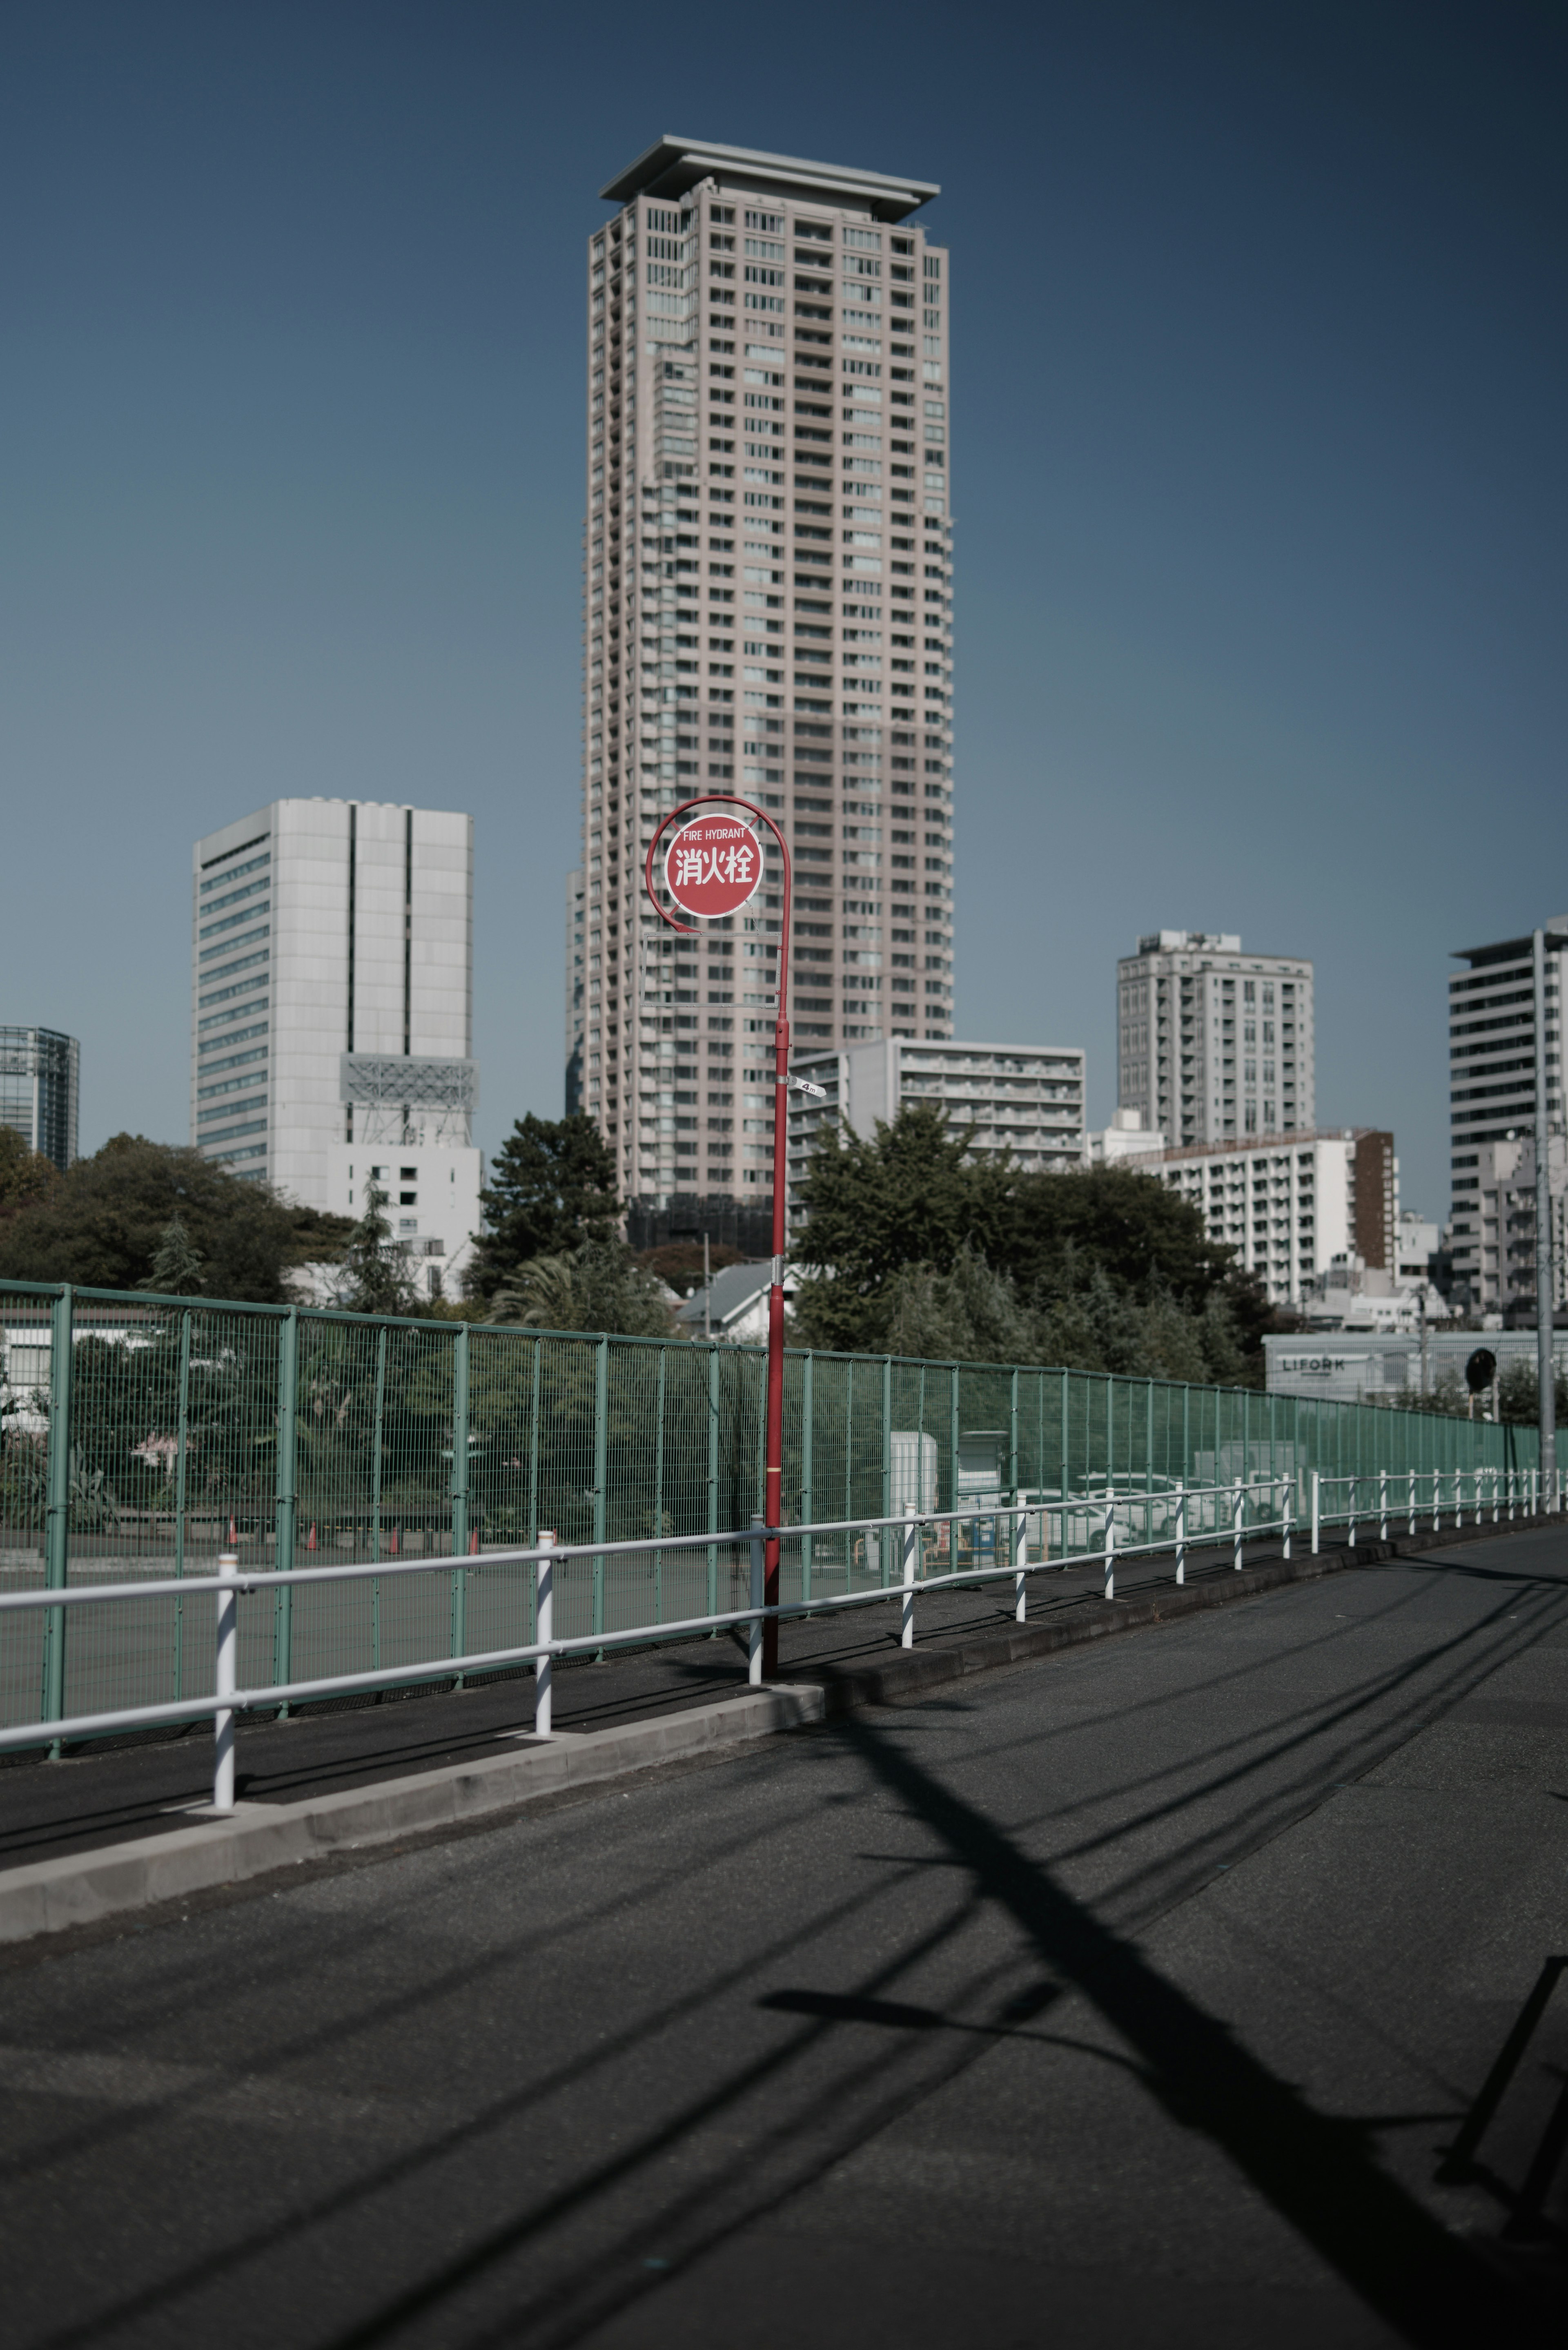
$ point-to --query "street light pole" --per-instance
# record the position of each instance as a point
(1545, 1286)
(773, 1487)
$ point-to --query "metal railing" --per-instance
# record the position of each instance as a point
(1019, 1546)
(142, 1436)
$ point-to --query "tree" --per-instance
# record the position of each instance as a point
(103, 1224)
(911, 1246)
(599, 1287)
(26, 1176)
(177, 1269)
(375, 1274)
(553, 1188)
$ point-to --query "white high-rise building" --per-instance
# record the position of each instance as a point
(769, 589)
(1212, 1042)
(332, 1011)
(1293, 1205)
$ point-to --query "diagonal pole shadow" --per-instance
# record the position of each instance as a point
(1316, 2171)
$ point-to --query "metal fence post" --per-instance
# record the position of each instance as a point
(182, 1446)
(1383, 1505)
(754, 1628)
(1111, 1545)
(805, 1474)
(1353, 1498)
(601, 1470)
(58, 1521)
(1412, 1500)
(911, 1540)
(543, 1630)
(1236, 1507)
(224, 1664)
(1020, 1560)
(460, 1492)
(1316, 1509)
(1437, 1501)
(1181, 1528)
(286, 1489)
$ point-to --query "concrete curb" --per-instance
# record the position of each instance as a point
(80, 1888)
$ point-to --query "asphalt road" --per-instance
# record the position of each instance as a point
(1129, 1998)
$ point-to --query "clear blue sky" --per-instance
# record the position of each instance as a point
(1259, 324)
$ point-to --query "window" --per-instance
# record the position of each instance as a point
(863, 240)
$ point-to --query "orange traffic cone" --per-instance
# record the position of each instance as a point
(474, 1544)
(396, 1532)
(310, 1539)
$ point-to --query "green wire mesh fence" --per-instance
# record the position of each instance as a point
(140, 1436)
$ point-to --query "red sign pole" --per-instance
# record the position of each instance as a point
(704, 877)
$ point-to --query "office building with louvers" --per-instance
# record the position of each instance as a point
(332, 1014)
(1212, 1042)
(769, 597)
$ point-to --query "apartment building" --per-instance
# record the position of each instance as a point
(1212, 1042)
(1492, 1111)
(332, 1011)
(1025, 1100)
(1494, 1227)
(769, 597)
(1290, 1204)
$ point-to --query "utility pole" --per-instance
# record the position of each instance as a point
(1545, 1284)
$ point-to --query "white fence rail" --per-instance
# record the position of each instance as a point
(1103, 1526)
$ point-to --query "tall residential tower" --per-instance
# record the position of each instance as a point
(769, 611)
(1211, 1043)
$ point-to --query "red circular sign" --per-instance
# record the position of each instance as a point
(713, 866)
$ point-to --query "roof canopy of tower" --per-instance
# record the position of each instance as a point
(672, 165)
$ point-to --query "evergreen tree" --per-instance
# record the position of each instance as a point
(553, 1188)
(375, 1277)
(177, 1269)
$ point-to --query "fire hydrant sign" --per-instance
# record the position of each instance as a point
(713, 866)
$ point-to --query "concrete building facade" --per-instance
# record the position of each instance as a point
(1027, 1099)
(40, 1087)
(769, 599)
(1494, 1227)
(1211, 1043)
(332, 992)
(1290, 1204)
(1492, 1112)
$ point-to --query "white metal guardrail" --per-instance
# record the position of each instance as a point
(1188, 1515)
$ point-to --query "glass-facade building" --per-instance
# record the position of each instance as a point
(39, 1085)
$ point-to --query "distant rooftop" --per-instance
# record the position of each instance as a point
(672, 166)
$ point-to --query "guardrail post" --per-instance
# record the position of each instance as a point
(1512, 1495)
(1236, 1507)
(57, 1522)
(911, 1540)
(1020, 1560)
(1412, 1500)
(1111, 1545)
(1437, 1501)
(283, 1506)
(543, 1630)
(1287, 1515)
(1383, 1505)
(1352, 1481)
(754, 1628)
(460, 1493)
(224, 1664)
(1316, 1509)
(1181, 1529)
(1496, 1476)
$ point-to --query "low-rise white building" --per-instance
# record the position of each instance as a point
(1026, 1099)
(1352, 1366)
